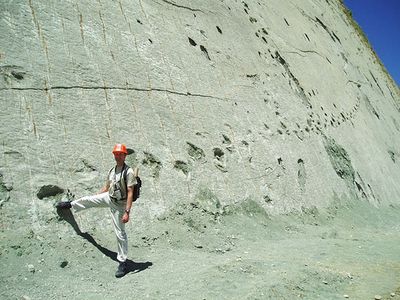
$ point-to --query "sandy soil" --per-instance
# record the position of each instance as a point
(199, 251)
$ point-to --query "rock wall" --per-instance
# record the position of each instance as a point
(279, 102)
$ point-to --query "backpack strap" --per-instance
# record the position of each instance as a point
(124, 172)
(125, 175)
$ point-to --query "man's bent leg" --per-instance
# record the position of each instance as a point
(100, 200)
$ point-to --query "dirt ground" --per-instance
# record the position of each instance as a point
(198, 251)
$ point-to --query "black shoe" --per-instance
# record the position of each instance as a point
(64, 205)
(122, 270)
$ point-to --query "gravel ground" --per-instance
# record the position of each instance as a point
(195, 253)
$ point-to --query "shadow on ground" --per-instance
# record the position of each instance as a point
(132, 267)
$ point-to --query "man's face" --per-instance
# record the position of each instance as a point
(119, 157)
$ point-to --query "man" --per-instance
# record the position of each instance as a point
(117, 194)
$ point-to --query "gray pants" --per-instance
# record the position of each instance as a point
(117, 211)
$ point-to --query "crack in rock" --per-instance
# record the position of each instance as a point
(182, 6)
(326, 28)
(46, 89)
(373, 77)
(300, 89)
(303, 51)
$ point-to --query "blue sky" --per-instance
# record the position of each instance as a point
(380, 21)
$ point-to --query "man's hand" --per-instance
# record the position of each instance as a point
(125, 218)
(105, 188)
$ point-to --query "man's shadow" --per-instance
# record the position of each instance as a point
(132, 267)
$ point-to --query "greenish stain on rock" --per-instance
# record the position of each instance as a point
(207, 200)
(340, 160)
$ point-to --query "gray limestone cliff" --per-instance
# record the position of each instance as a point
(279, 102)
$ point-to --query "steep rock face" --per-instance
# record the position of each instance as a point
(280, 102)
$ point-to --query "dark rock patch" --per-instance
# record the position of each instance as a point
(196, 153)
(392, 155)
(88, 165)
(17, 75)
(192, 42)
(226, 139)
(340, 160)
(301, 174)
(63, 264)
(204, 50)
(219, 159)
(153, 162)
(49, 191)
(369, 106)
(182, 166)
(218, 153)
(14, 154)
(287, 23)
(253, 20)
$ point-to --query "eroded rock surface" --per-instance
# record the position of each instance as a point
(261, 100)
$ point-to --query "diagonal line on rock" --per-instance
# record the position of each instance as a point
(45, 89)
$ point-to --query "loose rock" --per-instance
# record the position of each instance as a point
(31, 268)
(63, 264)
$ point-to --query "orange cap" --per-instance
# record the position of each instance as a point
(120, 148)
